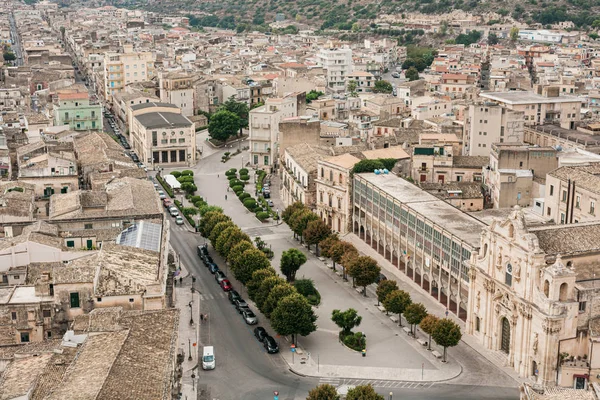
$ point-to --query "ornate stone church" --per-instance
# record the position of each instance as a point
(534, 298)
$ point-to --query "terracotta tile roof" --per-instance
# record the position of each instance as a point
(73, 96)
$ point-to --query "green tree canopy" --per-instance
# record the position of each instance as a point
(257, 279)
(446, 334)
(514, 34)
(414, 314)
(323, 392)
(236, 236)
(223, 237)
(428, 325)
(291, 210)
(365, 271)
(209, 220)
(382, 86)
(291, 261)
(277, 293)
(217, 229)
(313, 95)
(492, 39)
(341, 248)
(223, 124)
(468, 38)
(263, 292)
(412, 74)
(315, 232)
(9, 56)
(363, 392)
(293, 316)
(327, 244)
(396, 302)
(236, 252)
(384, 288)
(299, 221)
(367, 166)
(346, 320)
(238, 108)
(253, 260)
(352, 88)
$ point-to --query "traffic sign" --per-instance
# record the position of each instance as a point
(293, 349)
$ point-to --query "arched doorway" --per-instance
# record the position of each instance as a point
(505, 341)
(534, 368)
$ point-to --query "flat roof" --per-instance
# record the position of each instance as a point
(26, 294)
(453, 220)
(141, 106)
(523, 97)
(166, 120)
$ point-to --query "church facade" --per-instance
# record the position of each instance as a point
(531, 298)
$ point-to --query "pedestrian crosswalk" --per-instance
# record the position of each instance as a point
(376, 383)
(208, 296)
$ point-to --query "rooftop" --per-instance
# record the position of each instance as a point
(166, 120)
(431, 208)
(344, 160)
(571, 239)
(307, 156)
(570, 135)
(523, 97)
(586, 177)
(470, 161)
(142, 106)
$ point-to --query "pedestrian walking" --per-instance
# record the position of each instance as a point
(180, 281)
(225, 197)
(201, 317)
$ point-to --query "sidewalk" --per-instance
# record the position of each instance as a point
(188, 333)
(433, 306)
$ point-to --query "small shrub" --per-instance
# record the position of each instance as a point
(187, 172)
(313, 300)
(184, 178)
(250, 204)
(235, 182)
(244, 171)
(232, 170)
(176, 174)
(243, 196)
(230, 177)
(237, 188)
(195, 199)
(356, 341)
(306, 287)
(200, 204)
(245, 178)
(226, 154)
(262, 215)
(189, 211)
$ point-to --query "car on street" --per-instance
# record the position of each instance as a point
(395, 75)
(380, 278)
(250, 317)
(202, 251)
(271, 345)
(179, 220)
(233, 296)
(219, 276)
(213, 268)
(239, 302)
(266, 194)
(173, 211)
(241, 309)
(270, 203)
(168, 203)
(226, 285)
(207, 260)
(161, 195)
(260, 333)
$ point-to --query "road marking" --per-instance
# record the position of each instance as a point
(377, 383)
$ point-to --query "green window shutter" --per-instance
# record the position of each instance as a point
(70, 243)
(74, 297)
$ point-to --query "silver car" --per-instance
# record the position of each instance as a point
(174, 211)
(250, 317)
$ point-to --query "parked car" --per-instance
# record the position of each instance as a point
(267, 194)
(161, 195)
(213, 268)
(270, 203)
(174, 211)
(395, 75)
(233, 296)
(168, 203)
(226, 285)
(250, 317)
(156, 186)
(241, 309)
(202, 251)
(239, 302)
(260, 333)
(219, 276)
(134, 157)
(271, 345)
(207, 260)
(380, 278)
(179, 220)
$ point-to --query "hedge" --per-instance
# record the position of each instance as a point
(187, 172)
(231, 171)
(244, 171)
(245, 177)
(237, 188)
(176, 174)
(243, 196)
(236, 182)
(166, 187)
(250, 204)
(262, 215)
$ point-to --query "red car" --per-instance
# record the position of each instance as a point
(226, 285)
(167, 203)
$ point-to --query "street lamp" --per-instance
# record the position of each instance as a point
(189, 349)
(391, 394)
(191, 311)
(242, 161)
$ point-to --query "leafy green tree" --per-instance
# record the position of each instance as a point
(315, 232)
(363, 392)
(346, 320)
(313, 95)
(468, 38)
(412, 74)
(414, 314)
(293, 316)
(9, 56)
(277, 293)
(236, 236)
(223, 125)
(514, 34)
(291, 261)
(263, 292)
(237, 251)
(259, 18)
(446, 334)
(382, 86)
(347, 259)
(209, 220)
(356, 27)
(323, 392)
(396, 302)
(492, 39)
(364, 271)
(306, 287)
(258, 277)
(299, 221)
(238, 108)
(367, 166)
(327, 244)
(384, 288)
(216, 231)
(428, 326)
(222, 239)
(205, 209)
(352, 88)
(291, 210)
(252, 260)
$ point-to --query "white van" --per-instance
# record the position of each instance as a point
(208, 358)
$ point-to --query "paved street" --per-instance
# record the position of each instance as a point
(16, 40)
(239, 355)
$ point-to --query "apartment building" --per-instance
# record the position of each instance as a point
(489, 123)
(572, 194)
(438, 164)
(430, 109)
(338, 64)
(177, 88)
(78, 111)
(121, 69)
(516, 173)
(545, 107)
(299, 172)
(264, 127)
(365, 81)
